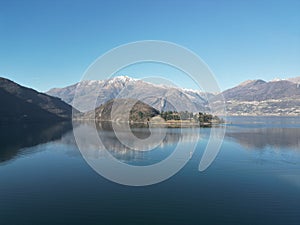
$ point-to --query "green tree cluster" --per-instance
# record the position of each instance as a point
(170, 115)
(200, 117)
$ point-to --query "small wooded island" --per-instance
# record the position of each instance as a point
(189, 118)
(138, 112)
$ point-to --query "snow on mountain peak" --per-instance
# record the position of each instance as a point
(118, 79)
(123, 79)
(276, 79)
(192, 90)
(89, 82)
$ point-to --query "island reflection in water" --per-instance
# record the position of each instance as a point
(158, 149)
(16, 140)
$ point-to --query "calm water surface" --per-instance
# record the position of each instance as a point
(255, 178)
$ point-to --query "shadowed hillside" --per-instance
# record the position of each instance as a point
(21, 104)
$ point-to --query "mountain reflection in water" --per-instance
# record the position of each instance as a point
(260, 138)
(16, 139)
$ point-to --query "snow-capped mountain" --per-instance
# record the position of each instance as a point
(160, 97)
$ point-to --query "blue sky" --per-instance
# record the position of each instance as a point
(45, 44)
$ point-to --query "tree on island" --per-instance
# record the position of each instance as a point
(202, 118)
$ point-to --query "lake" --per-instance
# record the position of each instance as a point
(255, 178)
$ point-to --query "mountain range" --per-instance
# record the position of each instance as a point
(254, 97)
(162, 98)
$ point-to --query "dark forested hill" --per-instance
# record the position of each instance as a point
(19, 103)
